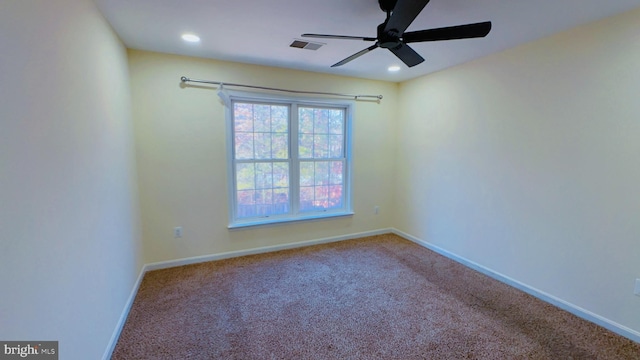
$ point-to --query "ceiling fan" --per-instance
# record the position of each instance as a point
(392, 35)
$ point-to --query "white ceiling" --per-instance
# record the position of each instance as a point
(260, 31)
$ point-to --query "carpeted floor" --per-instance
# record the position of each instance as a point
(380, 297)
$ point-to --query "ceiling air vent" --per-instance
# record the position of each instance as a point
(301, 44)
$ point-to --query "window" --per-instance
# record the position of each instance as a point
(288, 160)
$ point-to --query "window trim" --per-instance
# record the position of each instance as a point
(293, 103)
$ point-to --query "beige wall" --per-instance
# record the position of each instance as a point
(181, 156)
(69, 232)
(528, 163)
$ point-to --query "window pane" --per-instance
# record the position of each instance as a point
(305, 121)
(279, 119)
(246, 203)
(320, 188)
(263, 189)
(336, 170)
(321, 121)
(321, 196)
(321, 133)
(321, 173)
(264, 176)
(245, 177)
(336, 146)
(261, 131)
(281, 176)
(262, 146)
(281, 188)
(305, 146)
(280, 146)
(243, 117)
(262, 118)
(244, 145)
(306, 173)
(306, 198)
(335, 196)
(264, 197)
(321, 137)
(320, 146)
(281, 205)
(336, 121)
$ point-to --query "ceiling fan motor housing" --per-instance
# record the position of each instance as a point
(387, 39)
(387, 5)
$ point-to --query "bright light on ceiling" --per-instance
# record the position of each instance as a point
(393, 68)
(191, 38)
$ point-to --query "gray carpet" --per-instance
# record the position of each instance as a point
(380, 297)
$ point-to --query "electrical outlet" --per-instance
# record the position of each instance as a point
(376, 210)
(637, 289)
(177, 232)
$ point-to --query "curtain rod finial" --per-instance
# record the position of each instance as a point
(184, 79)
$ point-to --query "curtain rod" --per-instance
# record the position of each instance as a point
(185, 79)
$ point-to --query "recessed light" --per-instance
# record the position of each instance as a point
(191, 38)
(393, 68)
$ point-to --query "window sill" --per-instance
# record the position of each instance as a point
(280, 221)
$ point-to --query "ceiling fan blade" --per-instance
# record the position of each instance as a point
(403, 14)
(449, 33)
(407, 55)
(354, 56)
(345, 37)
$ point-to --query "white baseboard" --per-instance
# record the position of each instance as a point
(564, 305)
(226, 255)
(260, 250)
(123, 317)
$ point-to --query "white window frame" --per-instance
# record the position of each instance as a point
(294, 174)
